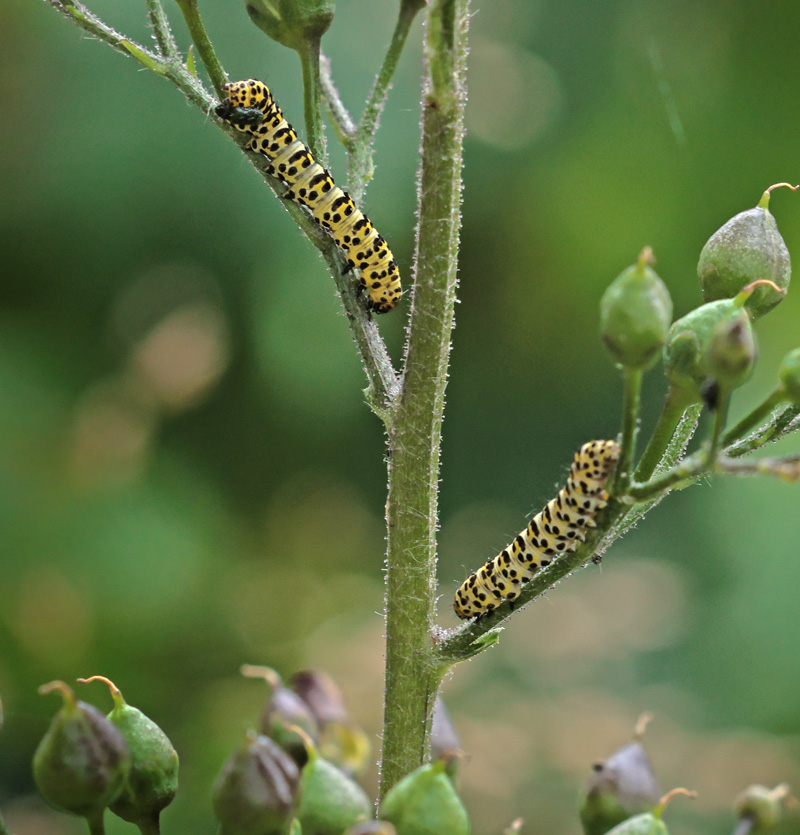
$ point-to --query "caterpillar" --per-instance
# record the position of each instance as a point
(556, 530)
(250, 107)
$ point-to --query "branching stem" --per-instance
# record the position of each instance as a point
(200, 39)
(630, 427)
(412, 668)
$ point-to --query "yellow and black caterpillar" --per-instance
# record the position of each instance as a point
(557, 529)
(250, 107)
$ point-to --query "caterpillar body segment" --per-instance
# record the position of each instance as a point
(557, 529)
(250, 107)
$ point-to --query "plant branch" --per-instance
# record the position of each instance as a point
(360, 148)
(312, 98)
(630, 427)
(342, 120)
(750, 421)
(161, 29)
(674, 408)
(412, 670)
(381, 376)
(459, 644)
(194, 23)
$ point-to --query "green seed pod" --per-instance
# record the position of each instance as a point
(644, 824)
(153, 777)
(372, 828)
(789, 374)
(635, 315)
(649, 823)
(747, 248)
(340, 739)
(425, 803)
(762, 806)
(732, 351)
(686, 354)
(256, 791)
(283, 713)
(82, 761)
(622, 786)
(293, 23)
(330, 800)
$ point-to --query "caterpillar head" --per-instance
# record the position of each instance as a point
(245, 104)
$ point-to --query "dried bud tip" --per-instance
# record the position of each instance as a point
(763, 203)
(667, 798)
(641, 725)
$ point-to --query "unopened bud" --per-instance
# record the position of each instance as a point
(153, 778)
(293, 23)
(747, 248)
(83, 760)
(256, 790)
(426, 803)
(635, 315)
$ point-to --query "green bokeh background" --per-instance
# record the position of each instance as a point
(189, 477)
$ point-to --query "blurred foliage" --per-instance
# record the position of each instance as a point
(189, 477)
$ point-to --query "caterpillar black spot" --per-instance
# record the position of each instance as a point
(556, 530)
(250, 107)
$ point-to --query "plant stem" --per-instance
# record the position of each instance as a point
(412, 671)
(674, 407)
(342, 120)
(200, 39)
(361, 164)
(152, 827)
(161, 30)
(630, 426)
(748, 422)
(95, 823)
(312, 98)
(720, 418)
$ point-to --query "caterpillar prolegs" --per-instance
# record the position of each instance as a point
(556, 530)
(250, 107)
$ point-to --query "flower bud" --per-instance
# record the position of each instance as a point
(444, 737)
(340, 739)
(372, 828)
(293, 23)
(687, 352)
(747, 248)
(622, 786)
(425, 803)
(762, 806)
(789, 374)
(330, 800)
(284, 711)
(153, 777)
(256, 790)
(635, 315)
(83, 760)
(645, 824)
(649, 823)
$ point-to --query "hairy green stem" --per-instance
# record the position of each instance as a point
(161, 29)
(412, 669)
(720, 419)
(361, 162)
(342, 120)
(674, 407)
(200, 39)
(312, 98)
(630, 426)
(750, 421)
